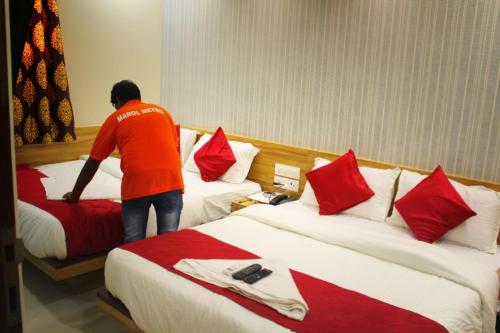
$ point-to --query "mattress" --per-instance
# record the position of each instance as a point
(43, 235)
(350, 222)
(377, 260)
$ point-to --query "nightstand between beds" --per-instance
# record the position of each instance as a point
(241, 203)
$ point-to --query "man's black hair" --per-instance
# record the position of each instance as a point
(125, 90)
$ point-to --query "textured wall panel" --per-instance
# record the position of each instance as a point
(413, 82)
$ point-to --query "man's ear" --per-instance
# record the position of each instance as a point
(118, 103)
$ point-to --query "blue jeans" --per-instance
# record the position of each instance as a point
(168, 206)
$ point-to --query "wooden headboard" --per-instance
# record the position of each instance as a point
(58, 152)
(262, 170)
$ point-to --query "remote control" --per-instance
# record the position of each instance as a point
(251, 279)
(243, 273)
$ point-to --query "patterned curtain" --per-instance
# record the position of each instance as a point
(42, 107)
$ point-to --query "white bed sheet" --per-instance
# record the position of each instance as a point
(43, 235)
(468, 253)
(161, 301)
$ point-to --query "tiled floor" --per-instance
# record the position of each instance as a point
(51, 307)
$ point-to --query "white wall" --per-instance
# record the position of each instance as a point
(106, 41)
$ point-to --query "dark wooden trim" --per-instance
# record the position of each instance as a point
(115, 309)
(38, 154)
(10, 299)
(60, 270)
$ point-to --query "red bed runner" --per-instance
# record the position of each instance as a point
(90, 226)
(331, 308)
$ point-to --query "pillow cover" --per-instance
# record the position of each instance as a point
(381, 181)
(339, 185)
(480, 231)
(215, 157)
(237, 173)
(433, 207)
(187, 141)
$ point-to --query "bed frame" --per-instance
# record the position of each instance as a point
(39, 154)
(262, 172)
(60, 270)
(115, 309)
(79, 275)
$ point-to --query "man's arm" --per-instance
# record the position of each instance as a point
(86, 175)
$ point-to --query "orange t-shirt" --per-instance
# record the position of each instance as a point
(147, 140)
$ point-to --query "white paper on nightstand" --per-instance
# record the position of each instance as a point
(260, 197)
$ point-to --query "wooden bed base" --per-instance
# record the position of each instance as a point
(60, 270)
(115, 309)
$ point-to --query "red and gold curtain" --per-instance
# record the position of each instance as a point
(42, 107)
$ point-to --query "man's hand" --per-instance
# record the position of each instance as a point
(88, 171)
(70, 197)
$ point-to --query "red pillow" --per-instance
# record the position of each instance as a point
(339, 185)
(215, 157)
(433, 207)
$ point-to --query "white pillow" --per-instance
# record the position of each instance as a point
(187, 140)
(480, 231)
(243, 152)
(381, 181)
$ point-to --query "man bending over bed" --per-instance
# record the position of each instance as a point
(147, 140)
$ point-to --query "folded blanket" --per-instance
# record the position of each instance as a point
(102, 186)
(277, 290)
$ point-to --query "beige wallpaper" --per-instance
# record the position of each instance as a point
(105, 42)
(414, 82)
